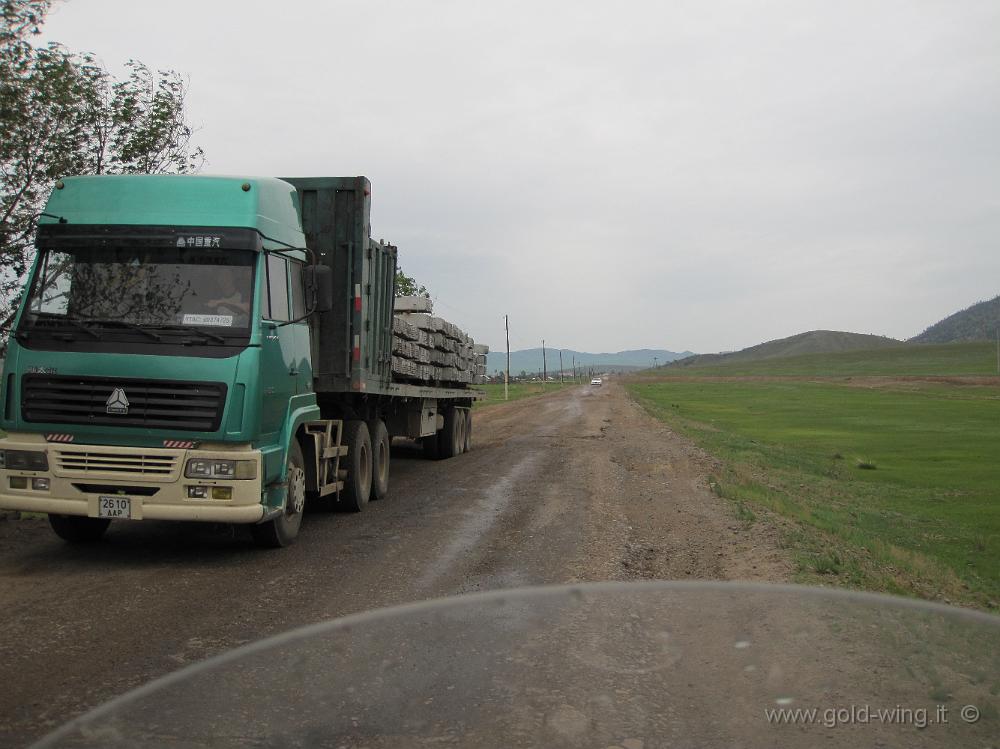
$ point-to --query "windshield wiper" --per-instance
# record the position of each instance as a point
(193, 330)
(123, 324)
(74, 321)
(84, 324)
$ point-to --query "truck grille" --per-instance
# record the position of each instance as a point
(107, 401)
(94, 462)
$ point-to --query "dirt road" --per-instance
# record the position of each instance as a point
(579, 485)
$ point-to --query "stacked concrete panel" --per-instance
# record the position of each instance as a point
(429, 349)
(412, 304)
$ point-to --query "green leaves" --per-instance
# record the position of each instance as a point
(144, 118)
(407, 286)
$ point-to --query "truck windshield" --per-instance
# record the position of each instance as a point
(143, 287)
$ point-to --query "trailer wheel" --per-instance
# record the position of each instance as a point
(358, 485)
(282, 530)
(380, 458)
(463, 424)
(78, 530)
(451, 439)
(468, 430)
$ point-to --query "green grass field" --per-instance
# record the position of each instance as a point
(912, 359)
(518, 390)
(893, 483)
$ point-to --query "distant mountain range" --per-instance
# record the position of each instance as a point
(811, 342)
(530, 360)
(976, 323)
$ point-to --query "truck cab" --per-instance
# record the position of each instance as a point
(159, 366)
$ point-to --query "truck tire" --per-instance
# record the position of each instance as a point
(380, 458)
(451, 439)
(78, 530)
(281, 531)
(358, 485)
(468, 430)
(463, 422)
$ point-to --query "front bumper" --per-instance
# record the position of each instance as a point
(152, 478)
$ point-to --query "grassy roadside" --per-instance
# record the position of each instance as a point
(893, 488)
(518, 390)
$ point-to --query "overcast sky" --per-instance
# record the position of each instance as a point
(617, 175)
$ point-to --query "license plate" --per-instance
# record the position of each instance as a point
(114, 507)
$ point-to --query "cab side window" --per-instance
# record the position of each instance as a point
(298, 295)
(277, 289)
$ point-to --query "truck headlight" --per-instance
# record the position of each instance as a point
(24, 460)
(208, 468)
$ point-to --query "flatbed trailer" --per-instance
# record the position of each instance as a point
(210, 348)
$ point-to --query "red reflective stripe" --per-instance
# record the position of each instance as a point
(357, 353)
(357, 304)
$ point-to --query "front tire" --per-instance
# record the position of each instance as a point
(78, 530)
(282, 530)
(358, 486)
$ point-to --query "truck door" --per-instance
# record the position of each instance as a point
(280, 358)
(303, 351)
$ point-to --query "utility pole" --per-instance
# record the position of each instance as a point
(506, 373)
(560, 366)
(655, 359)
(545, 369)
(998, 351)
(574, 367)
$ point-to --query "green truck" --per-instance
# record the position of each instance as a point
(203, 348)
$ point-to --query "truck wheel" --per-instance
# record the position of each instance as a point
(451, 439)
(358, 486)
(282, 530)
(463, 423)
(380, 458)
(468, 430)
(78, 530)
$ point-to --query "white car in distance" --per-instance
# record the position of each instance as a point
(596, 381)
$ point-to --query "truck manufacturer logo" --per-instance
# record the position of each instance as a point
(117, 402)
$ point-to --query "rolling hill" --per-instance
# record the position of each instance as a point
(811, 342)
(976, 323)
(530, 360)
(905, 360)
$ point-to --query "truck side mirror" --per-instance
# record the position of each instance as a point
(317, 280)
